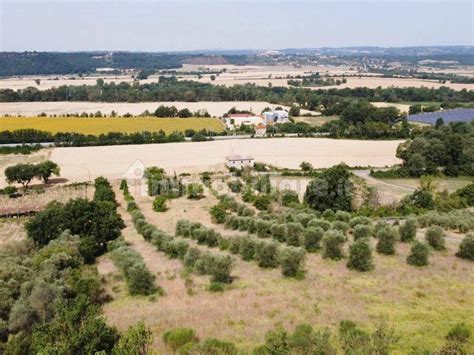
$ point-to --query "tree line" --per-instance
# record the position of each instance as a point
(170, 89)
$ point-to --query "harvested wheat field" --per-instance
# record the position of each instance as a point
(100, 125)
(215, 109)
(84, 163)
(420, 308)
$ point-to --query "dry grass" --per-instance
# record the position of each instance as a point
(421, 303)
(100, 125)
(11, 230)
(79, 164)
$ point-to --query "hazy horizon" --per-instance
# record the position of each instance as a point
(173, 26)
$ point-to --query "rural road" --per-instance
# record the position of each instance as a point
(365, 174)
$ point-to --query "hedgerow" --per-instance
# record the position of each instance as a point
(140, 281)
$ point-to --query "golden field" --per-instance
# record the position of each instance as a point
(99, 125)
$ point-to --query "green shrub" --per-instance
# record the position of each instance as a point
(140, 281)
(321, 223)
(266, 254)
(303, 218)
(311, 238)
(333, 241)
(435, 237)
(289, 198)
(418, 254)
(359, 220)
(218, 214)
(247, 248)
(387, 238)
(195, 191)
(457, 340)
(178, 337)
(328, 215)
(159, 203)
(234, 244)
(341, 226)
(221, 268)
(291, 260)
(466, 248)
(262, 202)
(360, 256)
(235, 185)
(279, 231)
(216, 287)
(213, 346)
(263, 228)
(361, 231)
(191, 257)
(343, 216)
(408, 230)
(294, 233)
(123, 185)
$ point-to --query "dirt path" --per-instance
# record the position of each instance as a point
(365, 174)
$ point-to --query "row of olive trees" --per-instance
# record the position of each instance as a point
(267, 254)
(218, 266)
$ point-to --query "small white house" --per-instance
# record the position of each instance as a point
(236, 120)
(276, 117)
(239, 161)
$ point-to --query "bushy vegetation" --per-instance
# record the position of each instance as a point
(97, 222)
(291, 261)
(51, 302)
(418, 254)
(333, 241)
(462, 220)
(161, 184)
(360, 256)
(159, 203)
(387, 238)
(362, 231)
(20, 149)
(331, 190)
(407, 230)
(140, 281)
(435, 237)
(25, 173)
(466, 248)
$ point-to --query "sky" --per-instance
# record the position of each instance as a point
(172, 25)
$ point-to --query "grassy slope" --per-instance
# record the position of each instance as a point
(100, 125)
(421, 303)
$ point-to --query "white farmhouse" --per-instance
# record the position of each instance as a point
(276, 117)
(239, 161)
(237, 119)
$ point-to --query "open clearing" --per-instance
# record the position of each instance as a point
(421, 303)
(215, 109)
(99, 125)
(85, 163)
